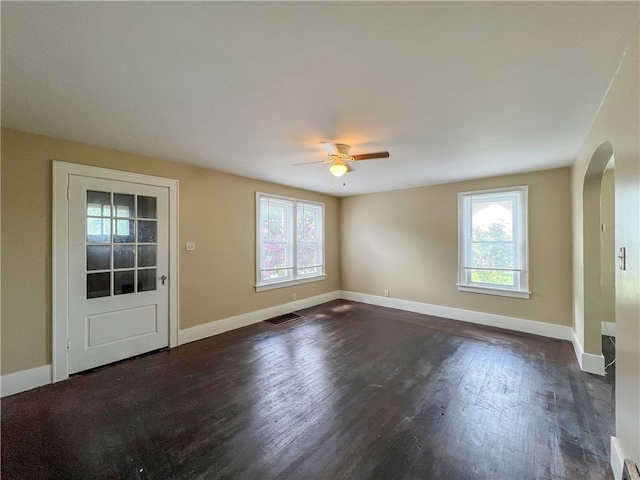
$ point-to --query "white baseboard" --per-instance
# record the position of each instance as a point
(617, 459)
(24, 380)
(226, 324)
(561, 332)
(608, 328)
(588, 362)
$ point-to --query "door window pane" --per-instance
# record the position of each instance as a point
(123, 282)
(98, 230)
(146, 231)
(123, 256)
(146, 207)
(98, 204)
(98, 285)
(125, 231)
(124, 205)
(147, 256)
(98, 257)
(146, 280)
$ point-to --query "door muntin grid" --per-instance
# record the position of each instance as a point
(121, 248)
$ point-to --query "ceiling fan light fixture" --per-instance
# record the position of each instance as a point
(339, 158)
(338, 169)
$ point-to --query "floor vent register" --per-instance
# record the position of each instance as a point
(280, 319)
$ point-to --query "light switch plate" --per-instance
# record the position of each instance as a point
(190, 246)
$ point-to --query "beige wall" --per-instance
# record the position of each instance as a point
(608, 253)
(217, 211)
(618, 124)
(406, 241)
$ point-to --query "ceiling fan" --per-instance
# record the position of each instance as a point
(340, 158)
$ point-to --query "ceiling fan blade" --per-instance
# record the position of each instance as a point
(309, 163)
(349, 167)
(370, 156)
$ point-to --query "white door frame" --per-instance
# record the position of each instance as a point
(60, 252)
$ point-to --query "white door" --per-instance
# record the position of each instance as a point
(118, 269)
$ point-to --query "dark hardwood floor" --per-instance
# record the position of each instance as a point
(348, 391)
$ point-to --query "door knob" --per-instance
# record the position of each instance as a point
(163, 278)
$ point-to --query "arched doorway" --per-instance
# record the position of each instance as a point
(593, 307)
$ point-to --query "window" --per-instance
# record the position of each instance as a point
(492, 242)
(290, 241)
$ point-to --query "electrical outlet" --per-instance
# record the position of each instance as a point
(295, 297)
(190, 246)
(386, 293)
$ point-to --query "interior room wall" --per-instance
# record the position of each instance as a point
(406, 241)
(217, 212)
(617, 123)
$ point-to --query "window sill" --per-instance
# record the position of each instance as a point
(288, 283)
(494, 291)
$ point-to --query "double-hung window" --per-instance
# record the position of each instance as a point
(290, 241)
(492, 242)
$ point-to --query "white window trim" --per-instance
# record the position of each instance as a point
(523, 244)
(273, 284)
(502, 292)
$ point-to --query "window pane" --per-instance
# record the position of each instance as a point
(124, 231)
(146, 280)
(307, 223)
(274, 255)
(146, 207)
(123, 256)
(147, 256)
(309, 232)
(98, 203)
(98, 285)
(98, 257)
(492, 255)
(124, 205)
(146, 231)
(495, 277)
(123, 282)
(307, 255)
(492, 220)
(274, 260)
(274, 221)
(281, 274)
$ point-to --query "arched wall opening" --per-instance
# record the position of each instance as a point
(593, 307)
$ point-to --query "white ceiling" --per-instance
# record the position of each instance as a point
(454, 90)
